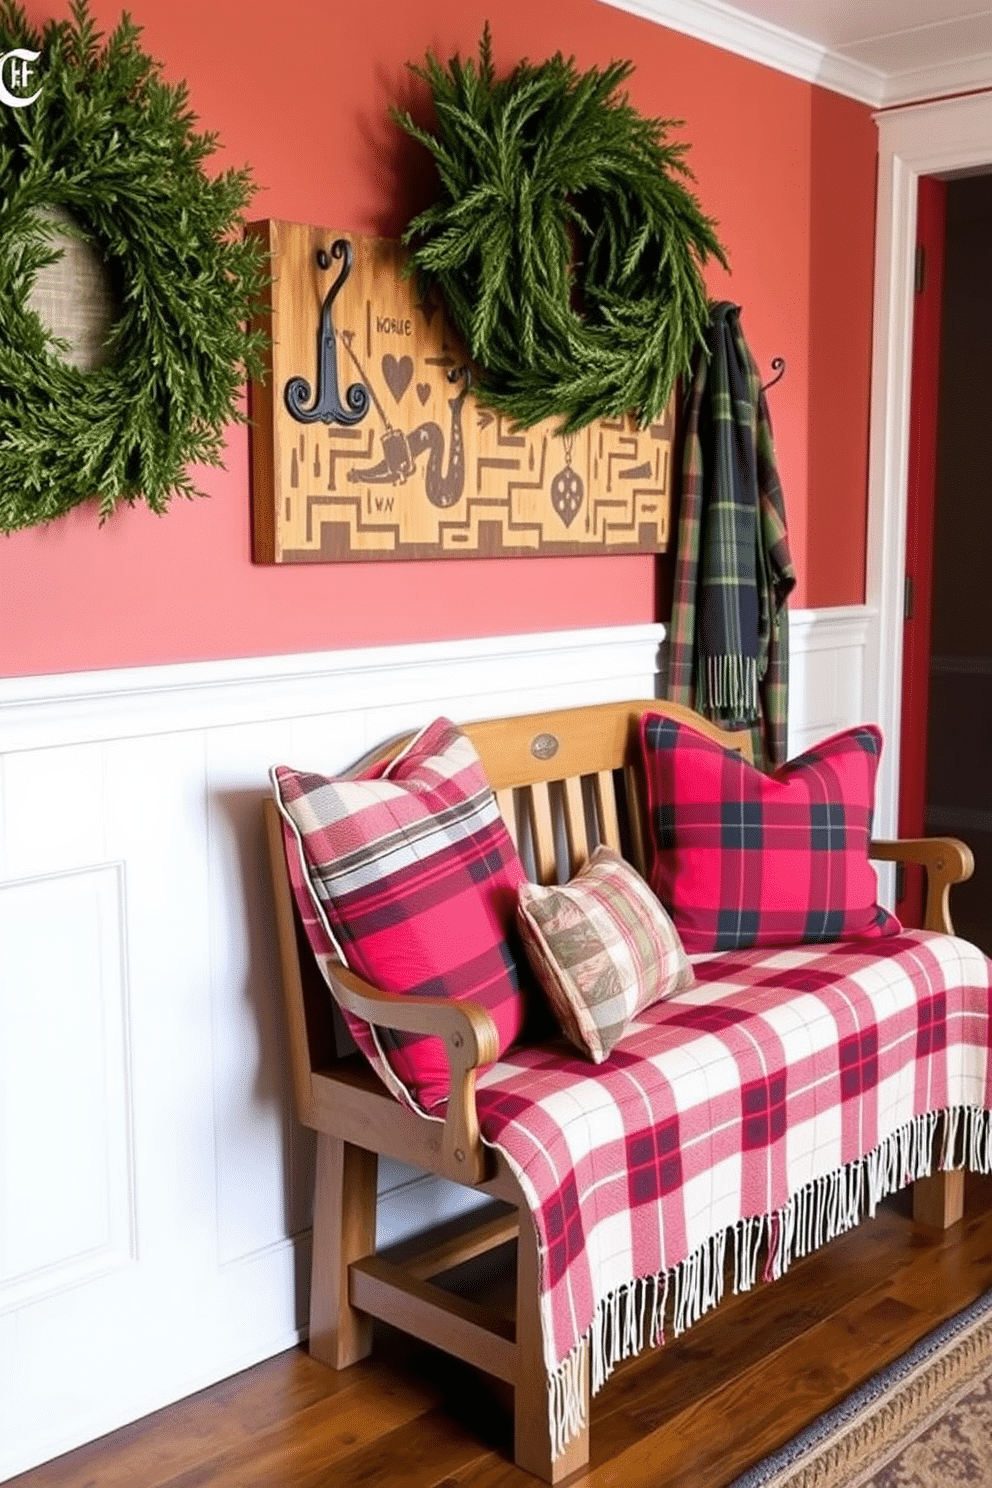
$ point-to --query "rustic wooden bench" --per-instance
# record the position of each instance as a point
(564, 781)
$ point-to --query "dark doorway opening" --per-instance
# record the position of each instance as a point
(947, 684)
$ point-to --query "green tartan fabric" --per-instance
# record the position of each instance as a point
(728, 640)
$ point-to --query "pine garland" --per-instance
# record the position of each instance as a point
(113, 145)
(564, 242)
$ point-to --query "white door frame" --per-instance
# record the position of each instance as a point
(942, 138)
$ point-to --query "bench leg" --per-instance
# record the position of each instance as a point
(938, 1201)
(531, 1434)
(343, 1231)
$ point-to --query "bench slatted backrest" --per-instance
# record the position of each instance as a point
(568, 780)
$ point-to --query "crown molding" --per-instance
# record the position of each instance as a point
(723, 26)
(963, 75)
(760, 41)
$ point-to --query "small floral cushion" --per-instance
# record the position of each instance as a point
(602, 948)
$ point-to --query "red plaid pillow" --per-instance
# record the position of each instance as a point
(413, 877)
(740, 858)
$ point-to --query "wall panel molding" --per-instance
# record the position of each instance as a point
(67, 1212)
(135, 922)
(827, 662)
(129, 817)
(961, 666)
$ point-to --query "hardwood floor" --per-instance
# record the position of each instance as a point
(692, 1415)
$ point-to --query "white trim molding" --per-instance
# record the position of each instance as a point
(79, 707)
(761, 41)
(746, 35)
(937, 80)
(942, 138)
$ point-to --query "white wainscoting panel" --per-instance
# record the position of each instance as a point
(828, 691)
(155, 1186)
(826, 665)
(65, 1146)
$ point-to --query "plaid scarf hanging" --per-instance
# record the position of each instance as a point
(728, 652)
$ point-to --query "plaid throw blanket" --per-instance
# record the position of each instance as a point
(728, 639)
(744, 1121)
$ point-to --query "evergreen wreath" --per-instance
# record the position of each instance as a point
(564, 243)
(114, 146)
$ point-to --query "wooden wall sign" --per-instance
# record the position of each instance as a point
(368, 443)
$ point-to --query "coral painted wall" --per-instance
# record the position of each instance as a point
(842, 243)
(302, 95)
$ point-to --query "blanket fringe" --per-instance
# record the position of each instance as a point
(731, 686)
(636, 1312)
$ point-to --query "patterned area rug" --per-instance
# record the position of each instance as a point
(925, 1422)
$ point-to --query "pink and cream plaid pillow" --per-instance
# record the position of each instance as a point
(413, 878)
(740, 858)
(326, 953)
(602, 948)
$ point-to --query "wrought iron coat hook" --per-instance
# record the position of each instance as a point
(327, 406)
(778, 367)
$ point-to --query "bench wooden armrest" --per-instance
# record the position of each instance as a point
(946, 860)
(470, 1038)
